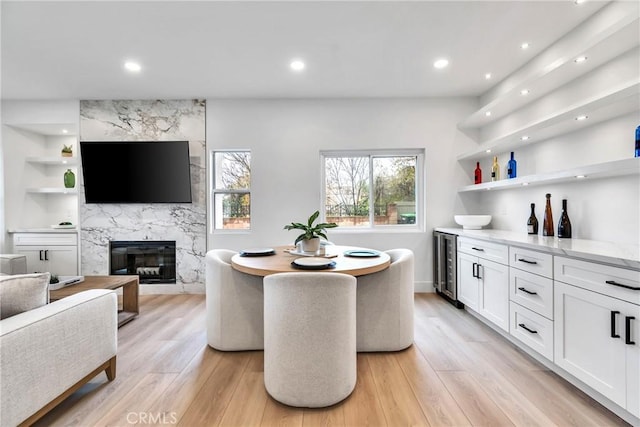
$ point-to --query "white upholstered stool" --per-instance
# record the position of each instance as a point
(11, 264)
(309, 337)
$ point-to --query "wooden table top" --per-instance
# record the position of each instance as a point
(281, 262)
(94, 282)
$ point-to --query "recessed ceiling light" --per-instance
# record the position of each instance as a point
(524, 137)
(65, 131)
(525, 183)
(524, 92)
(441, 63)
(487, 76)
(488, 151)
(579, 118)
(487, 113)
(524, 45)
(134, 67)
(580, 59)
(581, 176)
(297, 65)
(578, 1)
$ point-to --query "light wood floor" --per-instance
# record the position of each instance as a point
(458, 372)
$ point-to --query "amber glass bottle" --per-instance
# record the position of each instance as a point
(547, 225)
(532, 222)
(564, 225)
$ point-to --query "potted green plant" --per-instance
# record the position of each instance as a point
(311, 234)
(67, 150)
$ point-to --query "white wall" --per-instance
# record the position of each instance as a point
(286, 137)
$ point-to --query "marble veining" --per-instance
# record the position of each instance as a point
(147, 120)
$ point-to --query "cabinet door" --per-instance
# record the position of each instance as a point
(493, 303)
(35, 258)
(633, 357)
(584, 324)
(62, 260)
(467, 282)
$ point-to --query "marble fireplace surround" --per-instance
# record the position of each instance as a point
(148, 120)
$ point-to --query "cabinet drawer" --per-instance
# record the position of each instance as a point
(45, 239)
(531, 291)
(485, 250)
(532, 261)
(532, 329)
(607, 280)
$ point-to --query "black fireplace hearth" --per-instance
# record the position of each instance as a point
(154, 261)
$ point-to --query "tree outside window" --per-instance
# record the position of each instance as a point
(370, 190)
(231, 195)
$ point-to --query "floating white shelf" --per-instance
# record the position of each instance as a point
(595, 171)
(53, 190)
(622, 99)
(61, 161)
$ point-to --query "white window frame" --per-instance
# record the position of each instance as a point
(419, 153)
(215, 191)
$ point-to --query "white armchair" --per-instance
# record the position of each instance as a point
(48, 352)
(234, 304)
(385, 305)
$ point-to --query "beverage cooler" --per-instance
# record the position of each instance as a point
(445, 266)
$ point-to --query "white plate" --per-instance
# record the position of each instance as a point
(257, 252)
(313, 262)
(63, 226)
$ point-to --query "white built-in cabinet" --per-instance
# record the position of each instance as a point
(56, 253)
(483, 279)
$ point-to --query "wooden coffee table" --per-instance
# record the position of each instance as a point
(129, 285)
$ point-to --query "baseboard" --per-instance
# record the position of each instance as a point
(171, 289)
(423, 287)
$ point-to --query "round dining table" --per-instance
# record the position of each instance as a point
(359, 264)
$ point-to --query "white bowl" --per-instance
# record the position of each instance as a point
(472, 222)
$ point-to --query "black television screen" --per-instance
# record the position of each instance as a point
(136, 171)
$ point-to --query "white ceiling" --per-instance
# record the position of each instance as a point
(206, 49)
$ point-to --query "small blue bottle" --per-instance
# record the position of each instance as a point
(511, 167)
(637, 142)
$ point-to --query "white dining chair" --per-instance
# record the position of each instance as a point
(309, 337)
(234, 305)
(385, 305)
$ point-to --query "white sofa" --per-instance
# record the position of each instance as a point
(48, 352)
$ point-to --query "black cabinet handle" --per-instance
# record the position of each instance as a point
(41, 255)
(527, 291)
(613, 324)
(627, 333)
(527, 261)
(477, 249)
(473, 269)
(478, 269)
(523, 326)
(614, 283)
(46, 254)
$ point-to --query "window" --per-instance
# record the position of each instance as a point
(231, 190)
(373, 189)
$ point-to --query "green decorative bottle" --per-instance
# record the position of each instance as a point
(69, 179)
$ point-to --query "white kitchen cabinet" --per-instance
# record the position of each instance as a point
(597, 340)
(483, 284)
(56, 253)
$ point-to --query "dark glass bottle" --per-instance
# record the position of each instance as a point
(547, 224)
(477, 175)
(511, 167)
(532, 222)
(637, 154)
(564, 225)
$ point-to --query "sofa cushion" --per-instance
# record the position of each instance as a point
(22, 292)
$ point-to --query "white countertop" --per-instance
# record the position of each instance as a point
(43, 230)
(619, 254)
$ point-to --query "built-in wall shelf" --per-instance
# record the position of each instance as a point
(583, 173)
(54, 161)
(53, 190)
(619, 100)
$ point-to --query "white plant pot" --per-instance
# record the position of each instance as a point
(310, 245)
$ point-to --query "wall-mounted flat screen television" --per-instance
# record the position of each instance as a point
(136, 171)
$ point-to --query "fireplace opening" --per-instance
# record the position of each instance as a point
(154, 261)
